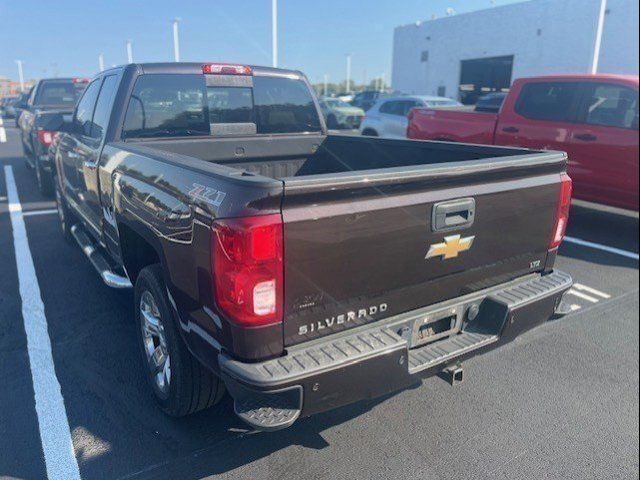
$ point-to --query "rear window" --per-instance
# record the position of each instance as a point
(551, 101)
(64, 93)
(168, 105)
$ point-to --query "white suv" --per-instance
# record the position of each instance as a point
(388, 117)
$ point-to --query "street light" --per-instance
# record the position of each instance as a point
(274, 32)
(176, 40)
(20, 74)
(101, 62)
(326, 84)
(348, 73)
(598, 41)
(129, 52)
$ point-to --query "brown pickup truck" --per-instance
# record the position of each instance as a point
(301, 270)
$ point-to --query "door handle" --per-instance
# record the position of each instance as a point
(510, 129)
(586, 137)
(454, 214)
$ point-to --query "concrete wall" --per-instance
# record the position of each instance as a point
(545, 37)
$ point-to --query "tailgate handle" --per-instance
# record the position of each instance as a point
(453, 215)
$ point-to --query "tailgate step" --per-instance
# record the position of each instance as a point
(440, 352)
(268, 412)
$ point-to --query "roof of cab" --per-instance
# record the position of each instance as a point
(196, 68)
(633, 79)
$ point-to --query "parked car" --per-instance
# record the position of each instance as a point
(4, 103)
(339, 114)
(388, 117)
(17, 106)
(345, 97)
(50, 102)
(301, 270)
(491, 102)
(367, 99)
(594, 118)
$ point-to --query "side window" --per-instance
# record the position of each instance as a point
(84, 111)
(408, 105)
(103, 107)
(551, 101)
(390, 108)
(167, 105)
(613, 106)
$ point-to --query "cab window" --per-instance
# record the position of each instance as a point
(613, 106)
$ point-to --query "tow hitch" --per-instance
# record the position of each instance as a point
(454, 374)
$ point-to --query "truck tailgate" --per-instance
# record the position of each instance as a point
(364, 246)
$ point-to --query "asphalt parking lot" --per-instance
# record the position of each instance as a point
(560, 402)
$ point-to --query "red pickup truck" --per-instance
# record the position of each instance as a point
(594, 118)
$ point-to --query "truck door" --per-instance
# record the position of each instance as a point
(605, 145)
(540, 116)
(77, 145)
(91, 147)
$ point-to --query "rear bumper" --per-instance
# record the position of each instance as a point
(377, 359)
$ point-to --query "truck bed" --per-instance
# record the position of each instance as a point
(285, 157)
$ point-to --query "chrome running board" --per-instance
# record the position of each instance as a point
(109, 277)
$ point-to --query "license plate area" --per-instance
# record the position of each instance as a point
(436, 325)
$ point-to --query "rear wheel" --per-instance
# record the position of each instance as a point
(180, 384)
(369, 132)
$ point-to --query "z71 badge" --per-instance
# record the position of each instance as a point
(207, 194)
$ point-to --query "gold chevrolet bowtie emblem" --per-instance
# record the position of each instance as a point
(450, 248)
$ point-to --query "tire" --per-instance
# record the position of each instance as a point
(66, 217)
(368, 132)
(44, 179)
(185, 386)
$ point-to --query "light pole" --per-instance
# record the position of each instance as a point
(129, 52)
(20, 75)
(326, 84)
(176, 40)
(101, 62)
(598, 41)
(348, 73)
(274, 32)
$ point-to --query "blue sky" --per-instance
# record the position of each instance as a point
(65, 37)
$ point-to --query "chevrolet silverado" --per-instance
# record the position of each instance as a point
(300, 270)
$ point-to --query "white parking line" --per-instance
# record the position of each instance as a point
(33, 213)
(584, 296)
(599, 246)
(593, 291)
(55, 436)
(3, 135)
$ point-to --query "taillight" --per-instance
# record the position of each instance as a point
(562, 211)
(247, 257)
(226, 69)
(45, 137)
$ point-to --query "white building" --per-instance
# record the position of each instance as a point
(469, 54)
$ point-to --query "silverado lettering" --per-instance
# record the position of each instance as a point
(343, 318)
